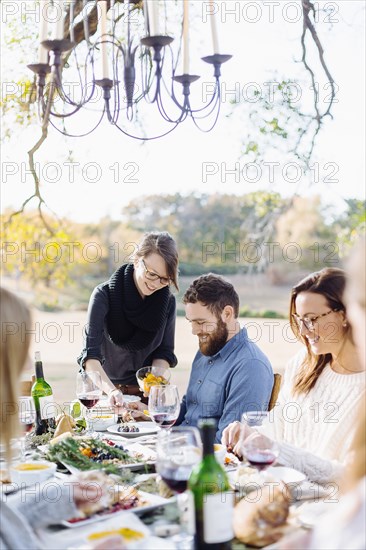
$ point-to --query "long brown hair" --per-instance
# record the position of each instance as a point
(330, 283)
(162, 243)
(15, 329)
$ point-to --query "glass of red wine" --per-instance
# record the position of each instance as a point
(178, 451)
(260, 451)
(88, 391)
(27, 417)
(164, 405)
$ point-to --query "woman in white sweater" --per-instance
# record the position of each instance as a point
(317, 411)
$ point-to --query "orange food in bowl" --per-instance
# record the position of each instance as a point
(31, 466)
(152, 380)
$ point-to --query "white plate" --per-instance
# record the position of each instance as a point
(278, 473)
(144, 454)
(287, 475)
(145, 428)
(152, 501)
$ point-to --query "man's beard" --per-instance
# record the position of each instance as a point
(215, 340)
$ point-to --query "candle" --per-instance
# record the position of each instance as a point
(103, 32)
(215, 38)
(43, 33)
(185, 37)
(153, 14)
(58, 30)
(71, 24)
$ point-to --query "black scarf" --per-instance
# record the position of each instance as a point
(132, 321)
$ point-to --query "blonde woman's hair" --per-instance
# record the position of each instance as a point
(15, 321)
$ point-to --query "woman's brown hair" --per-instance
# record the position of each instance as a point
(330, 283)
(15, 329)
(161, 243)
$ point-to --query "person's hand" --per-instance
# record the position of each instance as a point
(232, 436)
(115, 398)
(137, 411)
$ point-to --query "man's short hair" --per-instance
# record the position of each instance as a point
(213, 292)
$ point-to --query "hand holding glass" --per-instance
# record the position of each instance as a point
(260, 451)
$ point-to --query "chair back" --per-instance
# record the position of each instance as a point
(275, 390)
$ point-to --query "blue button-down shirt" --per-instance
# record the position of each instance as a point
(238, 378)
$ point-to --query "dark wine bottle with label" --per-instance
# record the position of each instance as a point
(43, 400)
(211, 495)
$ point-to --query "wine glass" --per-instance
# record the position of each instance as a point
(260, 452)
(178, 451)
(164, 405)
(27, 417)
(254, 418)
(88, 391)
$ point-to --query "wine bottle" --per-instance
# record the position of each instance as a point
(43, 400)
(212, 499)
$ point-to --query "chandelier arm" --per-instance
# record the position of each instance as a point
(78, 135)
(146, 138)
(213, 124)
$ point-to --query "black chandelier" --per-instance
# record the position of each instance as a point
(103, 66)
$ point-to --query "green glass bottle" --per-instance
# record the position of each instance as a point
(43, 400)
(213, 500)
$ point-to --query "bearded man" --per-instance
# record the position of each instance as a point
(230, 374)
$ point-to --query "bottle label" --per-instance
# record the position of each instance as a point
(190, 522)
(218, 517)
(47, 407)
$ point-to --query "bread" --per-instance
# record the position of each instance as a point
(65, 423)
(261, 517)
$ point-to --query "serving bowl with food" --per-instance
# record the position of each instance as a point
(32, 471)
(152, 376)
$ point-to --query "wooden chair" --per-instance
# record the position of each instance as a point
(275, 390)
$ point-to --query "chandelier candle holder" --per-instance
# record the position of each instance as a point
(109, 55)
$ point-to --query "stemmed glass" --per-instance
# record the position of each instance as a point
(164, 405)
(260, 452)
(88, 391)
(178, 451)
(27, 417)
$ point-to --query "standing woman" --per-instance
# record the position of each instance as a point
(131, 318)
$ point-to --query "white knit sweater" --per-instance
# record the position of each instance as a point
(315, 430)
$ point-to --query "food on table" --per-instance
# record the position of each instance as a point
(153, 483)
(64, 423)
(114, 497)
(87, 453)
(60, 437)
(124, 532)
(29, 466)
(126, 428)
(261, 521)
(4, 477)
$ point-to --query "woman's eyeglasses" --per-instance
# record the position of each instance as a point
(154, 276)
(310, 322)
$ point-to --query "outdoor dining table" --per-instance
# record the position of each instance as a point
(160, 525)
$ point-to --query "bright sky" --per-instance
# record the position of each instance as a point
(263, 37)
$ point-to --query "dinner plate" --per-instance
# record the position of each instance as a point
(150, 502)
(278, 473)
(287, 475)
(145, 456)
(145, 428)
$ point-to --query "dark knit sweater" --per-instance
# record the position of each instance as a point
(125, 332)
